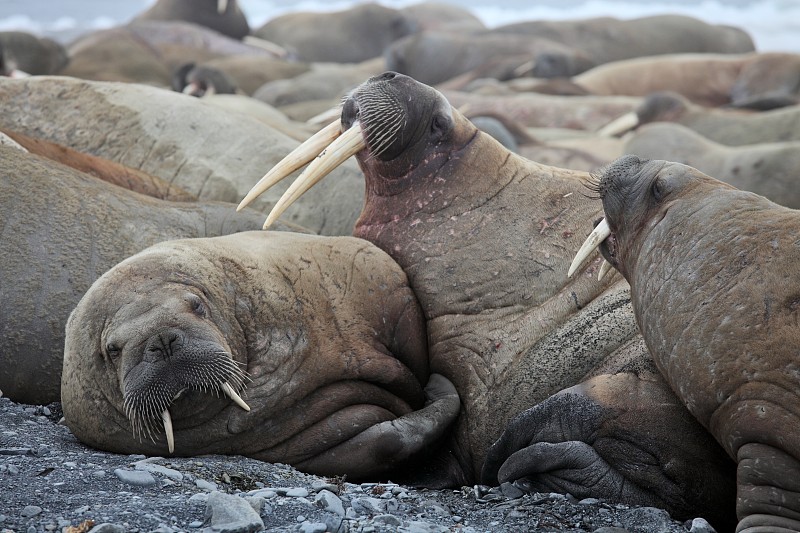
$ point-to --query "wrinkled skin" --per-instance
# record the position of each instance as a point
(710, 269)
(61, 229)
(321, 336)
(485, 238)
(768, 169)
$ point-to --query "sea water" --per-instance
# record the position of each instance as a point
(773, 24)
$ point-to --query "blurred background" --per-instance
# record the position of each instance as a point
(773, 24)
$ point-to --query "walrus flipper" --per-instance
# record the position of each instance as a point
(621, 438)
(384, 446)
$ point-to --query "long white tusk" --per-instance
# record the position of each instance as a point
(230, 393)
(605, 268)
(598, 235)
(296, 159)
(271, 47)
(619, 125)
(222, 6)
(168, 430)
(348, 144)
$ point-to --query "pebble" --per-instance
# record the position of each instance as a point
(30, 510)
(169, 473)
(137, 478)
(509, 490)
(701, 525)
(107, 528)
(328, 501)
(231, 514)
(202, 484)
(367, 506)
(315, 527)
(297, 493)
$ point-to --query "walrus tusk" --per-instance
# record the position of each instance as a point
(605, 267)
(230, 393)
(165, 416)
(222, 6)
(598, 235)
(619, 125)
(297, 158)
(346, 145)
(269, 46)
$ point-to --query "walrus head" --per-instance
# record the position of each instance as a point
(160, 349)
(392, 124)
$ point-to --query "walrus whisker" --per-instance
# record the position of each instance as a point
(343, 147)
(598, 235)
(298, 157)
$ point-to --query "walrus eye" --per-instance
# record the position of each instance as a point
(659, 189)
(439, 126)
(197, 305)
(112, 349)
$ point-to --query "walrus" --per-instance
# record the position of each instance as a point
(223, 16)
(725, 126)
(768, 169)
(484, 237)
(202, 80)
(711, 274)
(284, 347)
(61, 230)
(742, 80)
(606, 39)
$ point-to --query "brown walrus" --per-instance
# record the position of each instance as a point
(485, 237)
(321, 336)
(713, 285)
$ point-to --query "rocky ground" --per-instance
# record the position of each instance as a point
(51, 482)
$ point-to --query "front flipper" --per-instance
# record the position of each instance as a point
(623, 438)
(384, 446)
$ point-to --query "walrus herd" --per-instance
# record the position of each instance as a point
(450, 325)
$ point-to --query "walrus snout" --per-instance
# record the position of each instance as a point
(163, 344)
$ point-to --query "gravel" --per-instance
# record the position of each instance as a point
(51, 482)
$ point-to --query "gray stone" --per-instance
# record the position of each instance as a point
(329, 501)
(210, 486)
(297, 493)
(648, 519)
(135, 477)
(174, 475)
(422, 527)
(510, 491)
(701, 525)
(367, 506)
(323, 485)
(313, 527)
(388, 519)
(30, 510)
(231, 514)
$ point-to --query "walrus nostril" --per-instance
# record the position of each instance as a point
(164, 343)
(386, 76)
(350, 112)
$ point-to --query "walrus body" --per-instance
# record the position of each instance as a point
(711, 270)
(225, 17)
(61, 230)
(705, 79)
(322, 337)
(485, 237)
(768, 169)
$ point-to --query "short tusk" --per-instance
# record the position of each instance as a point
(230, 393)
(598, 235)
(190, 88)
(619, 125)
(525, 68)
(605, 268)
(168, 430)
(347, 145)
(297, 158)
(222, 6)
